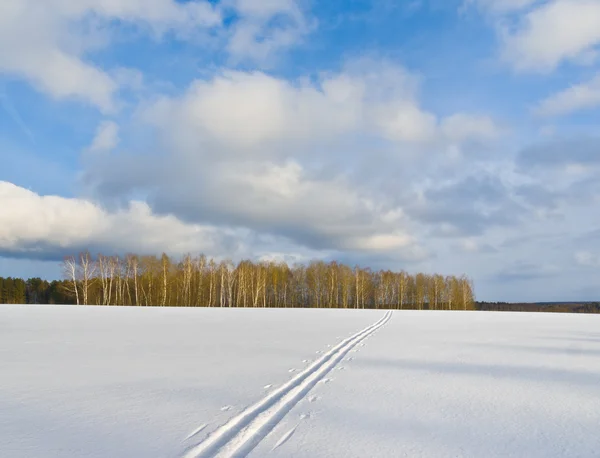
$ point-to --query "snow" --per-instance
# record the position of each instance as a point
(165, 382)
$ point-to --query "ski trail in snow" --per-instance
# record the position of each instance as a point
(196, 431)
(243, 432)
(284, 438)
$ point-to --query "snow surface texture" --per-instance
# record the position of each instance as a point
(163, 382)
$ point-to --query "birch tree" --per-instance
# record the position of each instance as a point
(70, 269)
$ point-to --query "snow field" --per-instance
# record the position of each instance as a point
(133, 382)
(457, 384)
(191, 383)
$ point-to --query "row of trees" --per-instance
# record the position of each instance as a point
(199, 281)
(33, 291)
(555, 307)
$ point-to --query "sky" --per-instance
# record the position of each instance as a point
(447, 136)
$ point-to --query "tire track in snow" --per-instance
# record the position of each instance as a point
(243, 432)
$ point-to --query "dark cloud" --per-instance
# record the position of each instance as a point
(560, 153)
(37, 252)
(469, 206)
(525, 271)
(539, 197)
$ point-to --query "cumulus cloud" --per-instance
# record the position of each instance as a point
(551, 33)
(570, 154)
(575, 98)
(540, 35)
(245, 110)
(275, 156)
(48, 48)
(106, 138)
(263, 27)
(279, 199)
(51, 40)
(49, 227)
(253, 109)
(463, 126)
(468, 206)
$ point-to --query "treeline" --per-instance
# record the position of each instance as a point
(199, 281)
(555, 307)
(33, 291)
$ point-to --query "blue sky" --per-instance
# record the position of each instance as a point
(429, 135)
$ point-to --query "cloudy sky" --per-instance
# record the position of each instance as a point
(442, 136)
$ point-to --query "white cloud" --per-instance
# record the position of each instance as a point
(281, 157)
(106, 138)
(462, 126)
(250, 109)
(500, 6)
(265, 8)
(254, 110)
(383, 242)
(284, 199)
(470, 245)
(157, 13)
(240, 149)
(575, 98)
(49, 227)
(587, 259)
(50, 39)
(33, 226)
(553, 32)
(405, 122)
(256, 37)
(48, 49)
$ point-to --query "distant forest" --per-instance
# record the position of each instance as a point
(33, 291)
(556, 307)
(203, 282)
(199, 281)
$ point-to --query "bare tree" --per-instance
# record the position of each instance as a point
(230, 276)
(88, 268)
(165, 264)
(200, 267)
(151, 280)
(70, 270)
(133, 261)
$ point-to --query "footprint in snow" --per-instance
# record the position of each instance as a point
(306, 361)
(266, 387)
(340, 368)
(226, 408)
(313, 398)
(318, 351)
(350, 358)
(326, 380)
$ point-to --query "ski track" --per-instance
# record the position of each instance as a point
(284, 438)
(198, 430)
(243, 432)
